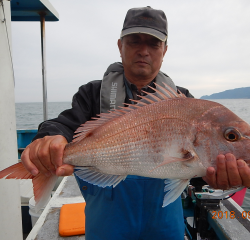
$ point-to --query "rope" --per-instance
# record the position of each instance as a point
(8, 40)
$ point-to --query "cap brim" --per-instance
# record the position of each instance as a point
(145, 30)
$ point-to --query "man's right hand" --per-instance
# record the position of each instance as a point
(45, 155)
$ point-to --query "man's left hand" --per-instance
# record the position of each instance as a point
(230, 173)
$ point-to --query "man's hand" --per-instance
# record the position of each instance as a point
(230, 173)
(45, 155)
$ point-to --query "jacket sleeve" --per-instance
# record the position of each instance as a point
(185, 92)
(85, 104)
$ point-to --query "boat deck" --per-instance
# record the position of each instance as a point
(229, 222)
(47, 225)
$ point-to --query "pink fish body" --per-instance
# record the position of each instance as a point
(165, 135)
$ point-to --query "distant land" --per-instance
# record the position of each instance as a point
(236, 93)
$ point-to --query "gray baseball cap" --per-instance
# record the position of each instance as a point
(146, 20)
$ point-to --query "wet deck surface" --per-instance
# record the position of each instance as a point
(48, 224)
(230, 221)
(49, 230)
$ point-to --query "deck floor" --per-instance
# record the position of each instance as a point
(47, 226)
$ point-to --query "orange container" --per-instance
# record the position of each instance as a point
(72, 219)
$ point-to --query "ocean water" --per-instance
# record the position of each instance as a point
(29, 115)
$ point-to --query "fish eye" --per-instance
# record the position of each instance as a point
(232, 134)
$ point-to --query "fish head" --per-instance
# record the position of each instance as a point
(236, 135)
(220, 131)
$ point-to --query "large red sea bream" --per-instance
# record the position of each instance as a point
(165, 135)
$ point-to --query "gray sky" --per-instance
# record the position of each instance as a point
(208, 46)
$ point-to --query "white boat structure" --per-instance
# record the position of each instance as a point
(214, 219)
(23, 10)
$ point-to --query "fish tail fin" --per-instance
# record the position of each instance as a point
(15, 171)
(42, 185)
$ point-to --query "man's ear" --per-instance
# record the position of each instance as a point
(119, 44)
(165, 50)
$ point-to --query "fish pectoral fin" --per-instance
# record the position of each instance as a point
(168, 159)
(94, 176)
(191, 158)
(174, 188)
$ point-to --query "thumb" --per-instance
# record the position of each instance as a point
(65, 170)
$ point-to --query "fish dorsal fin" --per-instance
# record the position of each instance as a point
(160, 94)
(87, 128)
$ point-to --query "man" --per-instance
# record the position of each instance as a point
(132, 210)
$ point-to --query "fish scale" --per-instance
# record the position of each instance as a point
(134, 142)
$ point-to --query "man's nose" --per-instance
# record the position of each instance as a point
(144, 49)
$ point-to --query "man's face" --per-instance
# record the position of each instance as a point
(142, 56)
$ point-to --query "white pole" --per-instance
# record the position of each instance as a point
(45, 108)
(10, 203)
